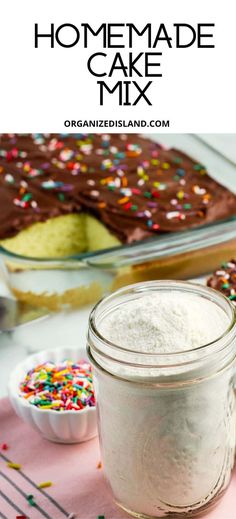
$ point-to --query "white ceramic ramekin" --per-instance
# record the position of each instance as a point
(66, 426)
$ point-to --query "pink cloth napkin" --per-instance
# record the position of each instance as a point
(78, 485)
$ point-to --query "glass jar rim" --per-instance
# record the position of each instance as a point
(178, 286)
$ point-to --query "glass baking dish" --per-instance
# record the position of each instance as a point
(82, 279)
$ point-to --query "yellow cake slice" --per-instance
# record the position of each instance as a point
(60, 237)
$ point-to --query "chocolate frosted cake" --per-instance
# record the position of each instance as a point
(64, 194)
(61, 195)
(224, 280)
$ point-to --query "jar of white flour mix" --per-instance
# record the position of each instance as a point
(164, 357)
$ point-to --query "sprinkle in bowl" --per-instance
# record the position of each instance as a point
(70, 422)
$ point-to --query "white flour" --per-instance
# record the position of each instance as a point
(168, 450)
(165, 323)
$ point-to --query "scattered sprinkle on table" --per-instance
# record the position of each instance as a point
(21, 517)
(61, 387)
(45, 484)
(30, 499)
(99, 465)
(12, 465)
(4, 447)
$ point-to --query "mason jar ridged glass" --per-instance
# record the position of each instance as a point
(167, 421)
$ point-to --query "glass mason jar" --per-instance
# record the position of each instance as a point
(166, 421)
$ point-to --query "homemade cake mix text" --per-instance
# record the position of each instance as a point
(131, 65)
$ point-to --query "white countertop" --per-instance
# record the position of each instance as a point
(70, 329)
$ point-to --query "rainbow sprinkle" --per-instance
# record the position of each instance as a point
(60, 387)
(30, 499)
(45, 484)
(12, 465)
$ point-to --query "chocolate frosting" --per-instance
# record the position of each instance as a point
(133, 185)
(224, 280)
